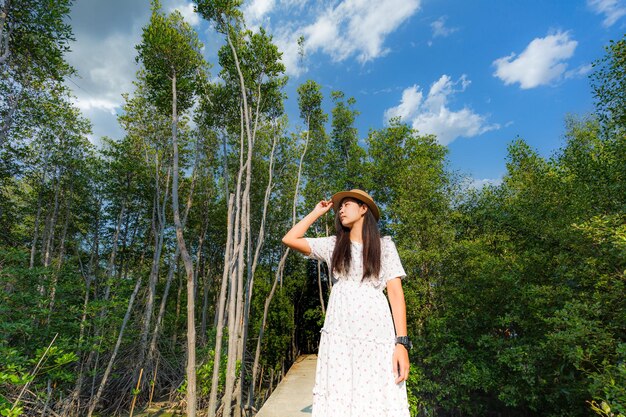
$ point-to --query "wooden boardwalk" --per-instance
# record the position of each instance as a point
(293, 397)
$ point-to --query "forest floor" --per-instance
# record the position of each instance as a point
(157, 410)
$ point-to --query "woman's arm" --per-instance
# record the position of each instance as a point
(398, 305)
(295, 237)
(400, 358)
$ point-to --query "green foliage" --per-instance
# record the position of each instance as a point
(205, 372)
(346, 157)
(608, 381)
(530, 308)
(17, 370)
(6, 409)
(38, 36)
(34, 39)
(170, 51)
(280, 322)
(317, 165)
(609, 85)
(259, 61)
(225, 13)
(310, 103)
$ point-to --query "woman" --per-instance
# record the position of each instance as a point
(362, 365)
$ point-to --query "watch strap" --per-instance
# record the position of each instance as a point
(405, 341)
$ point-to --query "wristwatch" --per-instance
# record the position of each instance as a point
(404, 341)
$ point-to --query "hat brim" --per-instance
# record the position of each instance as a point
(336, 199)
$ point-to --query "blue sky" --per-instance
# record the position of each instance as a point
(477, 74)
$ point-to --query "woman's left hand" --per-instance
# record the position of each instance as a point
(400, 363)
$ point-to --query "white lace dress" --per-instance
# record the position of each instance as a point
(354, 375)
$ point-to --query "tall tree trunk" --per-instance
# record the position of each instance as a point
(220, 308)
(261, 237)
(49, 244)
(243, 310)
(177, 310)
(232, 337)
(246, 237)
(240, 233)
(235, 306)
(33, 248)
(159, 321)
(281, 263)
(158, 228)
(191, 327)
(48, 241)
(205, 305)
(238, 242)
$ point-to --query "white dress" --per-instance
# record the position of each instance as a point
(354, 375)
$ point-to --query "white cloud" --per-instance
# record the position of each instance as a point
(361, 25)
(432, 115)
(112, 29)
(104, 57)
(104, 104)
(579, 71)
(256, 10)
(539, 64)
(293, 3)
(409, 104)
(186, 10)
(106, 75)
(439, 28)
(286, 39)
(349, 28)
(613, 10)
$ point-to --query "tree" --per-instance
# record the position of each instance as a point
(34, 37)
(252, 73)
(520, 317)
(317, 167)
(170, 52)
(347, 156)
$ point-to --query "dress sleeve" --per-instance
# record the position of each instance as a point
(391, 265)
(321, 248)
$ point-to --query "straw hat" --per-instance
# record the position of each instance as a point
(359, 195)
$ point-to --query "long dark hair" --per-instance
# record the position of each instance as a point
(342, 254)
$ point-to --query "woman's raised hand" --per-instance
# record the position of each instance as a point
(322, 207)
(295, 237)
